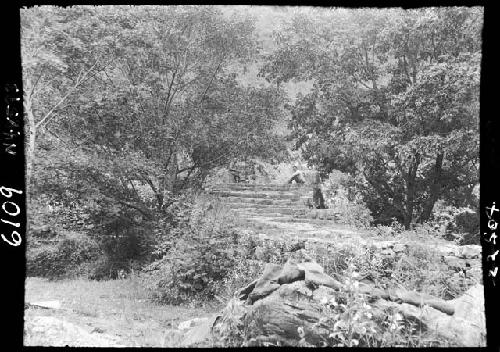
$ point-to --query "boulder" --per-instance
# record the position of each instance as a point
(448, 249)
(188, 324)
(383, 244)
(470, 251)
(262, 291)
(196, 331)
(454, 262)
(466, 327)
(398, 247)
(52, 331)
(315, 276)
(290, 273)
(475, 273)
(388, 252)
(470, 308)
(273, 276)
(243, 293)
(420, 300)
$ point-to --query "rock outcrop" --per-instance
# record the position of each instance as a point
(195, 332)
(286, 307)
(55, 332)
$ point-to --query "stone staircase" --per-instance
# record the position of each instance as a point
(249, 200)
(275, 209)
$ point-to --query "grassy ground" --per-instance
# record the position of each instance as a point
(119, 308)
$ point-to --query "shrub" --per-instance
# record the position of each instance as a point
(467, 225)
(244, 272)
(44, 232)
(341, 195)
(251, 256)
(457, 224)
(123, 237)
(391, 231)
(192, 267)
(63, 259)
(333, 259)
(103, 268)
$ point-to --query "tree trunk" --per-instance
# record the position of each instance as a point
(435, 189)
(410, 191)
(159, 196)
(173, 168)
(170, 171)
(31, 135)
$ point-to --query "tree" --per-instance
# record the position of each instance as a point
(128, 109)
(394, 102)
(62, 51)
(163, 109)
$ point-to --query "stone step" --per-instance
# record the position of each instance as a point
(318, 216)
(303, 213)
(304, 219)
(268, 211)
(298, 190)
(301, 192)
(250, 207)
(264, 201)
(269, 217)
(284, 218)
(258, 187)
(246, 194)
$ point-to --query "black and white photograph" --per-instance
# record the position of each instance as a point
(252, 176)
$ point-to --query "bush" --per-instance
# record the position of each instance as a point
(393, 230)
(467, 225)
(332, 258)
(193, 266)
(124, 237)
(341, 195)
(457, 224)
(63, 259)
(244, 272)
(44, 232)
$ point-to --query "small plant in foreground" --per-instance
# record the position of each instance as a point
(349, 316)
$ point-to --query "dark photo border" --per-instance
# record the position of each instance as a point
(12, 166)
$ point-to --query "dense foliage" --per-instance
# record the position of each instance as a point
(69, 257)
(195, 255)
(156, 102)
(129, 107)
(395, 102)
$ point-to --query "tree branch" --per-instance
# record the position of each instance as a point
(71, 90)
